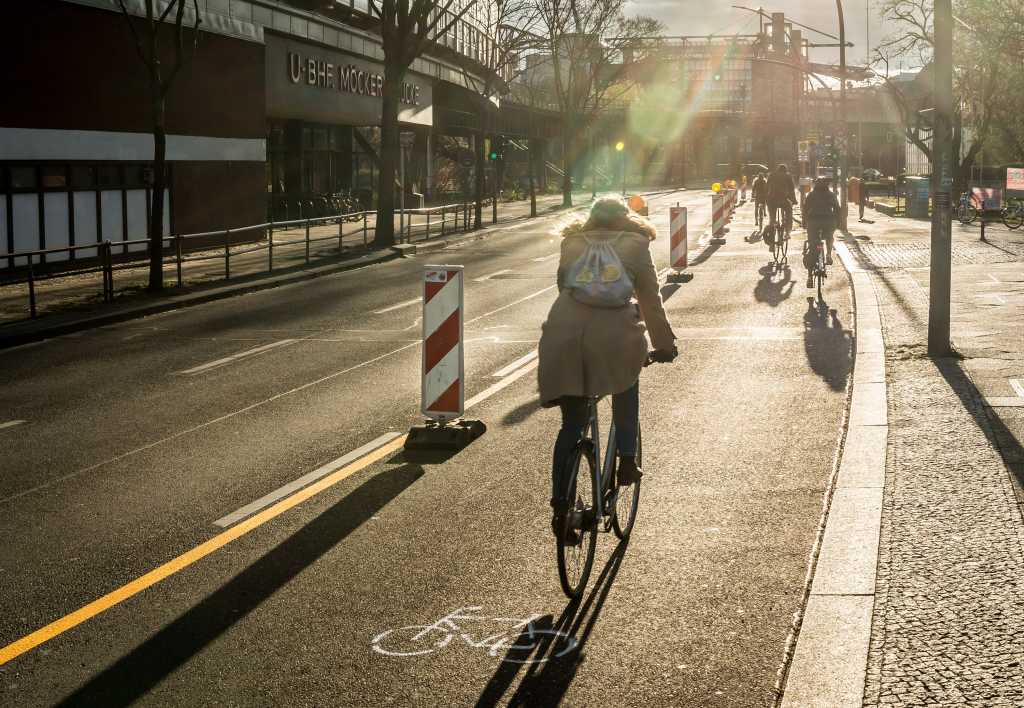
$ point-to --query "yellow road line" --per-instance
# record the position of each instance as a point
(45, 634)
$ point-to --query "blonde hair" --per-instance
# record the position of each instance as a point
(611, 214)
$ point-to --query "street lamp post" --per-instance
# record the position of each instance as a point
(942, 182)
(845, 161)
(620, 147)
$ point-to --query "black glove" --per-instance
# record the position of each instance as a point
(664, 356)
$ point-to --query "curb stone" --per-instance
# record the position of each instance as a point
(829, 664)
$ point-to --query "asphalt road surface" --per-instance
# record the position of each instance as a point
(120, 587)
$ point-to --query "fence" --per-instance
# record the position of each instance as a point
(433, 221)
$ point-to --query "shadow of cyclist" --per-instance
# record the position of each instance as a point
(551, 669)
(774, 287)
(827, 344)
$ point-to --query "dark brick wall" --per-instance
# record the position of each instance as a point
(218, 195)
(73, 67)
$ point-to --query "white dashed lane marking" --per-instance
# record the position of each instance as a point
(236, 357)
(399, 306)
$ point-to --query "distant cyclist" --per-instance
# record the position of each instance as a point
(759, 189)
(781, 195)
(821, 217)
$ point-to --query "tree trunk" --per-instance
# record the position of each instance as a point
(156, 215)
(567, 163)
(479, 165)
(384, 234)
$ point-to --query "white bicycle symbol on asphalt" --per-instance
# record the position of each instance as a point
(422, 639)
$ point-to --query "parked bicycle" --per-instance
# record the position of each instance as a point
(967, 208)
(1012, 213)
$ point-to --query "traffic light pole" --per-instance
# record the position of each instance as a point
(845, 147)
(942, 183)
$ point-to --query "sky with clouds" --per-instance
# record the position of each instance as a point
(693, 17)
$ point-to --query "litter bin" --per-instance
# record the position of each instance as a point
(918, 193)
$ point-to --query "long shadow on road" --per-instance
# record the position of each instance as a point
(135, 674)
(550, 670)
(827, 344)
(771, 289)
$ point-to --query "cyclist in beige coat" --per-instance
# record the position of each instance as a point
(594, 351)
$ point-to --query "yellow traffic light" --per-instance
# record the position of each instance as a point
(620, 146)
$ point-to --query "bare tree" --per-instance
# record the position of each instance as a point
(407, 29)
(981, 83)
(509, 27)
(148, 31)
(585, 39)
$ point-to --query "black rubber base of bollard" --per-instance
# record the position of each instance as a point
(679, 277)
(454, 435)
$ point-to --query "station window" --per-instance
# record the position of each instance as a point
(55, 176)
(109, 176)
(83, 176)
(23, 178)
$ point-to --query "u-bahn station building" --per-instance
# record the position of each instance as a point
(281, 105)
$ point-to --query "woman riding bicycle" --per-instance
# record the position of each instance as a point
(587, 350)
(821, 217)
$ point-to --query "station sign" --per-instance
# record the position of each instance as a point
(316, 84)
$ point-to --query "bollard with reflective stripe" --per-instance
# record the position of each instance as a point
(443, 390)
(719, 212)
(677, 228)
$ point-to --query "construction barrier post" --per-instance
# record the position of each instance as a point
(443, 372)
(678, 255)
(718, 216)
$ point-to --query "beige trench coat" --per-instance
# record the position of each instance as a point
(590, 351)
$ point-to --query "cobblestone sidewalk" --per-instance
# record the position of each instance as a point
(948, 624)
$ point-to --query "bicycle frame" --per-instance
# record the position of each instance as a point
(607, 462)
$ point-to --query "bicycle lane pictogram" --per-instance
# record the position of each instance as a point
(424, 639)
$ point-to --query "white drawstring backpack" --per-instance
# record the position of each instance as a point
(598, 278)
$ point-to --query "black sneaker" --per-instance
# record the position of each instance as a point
(628, 472)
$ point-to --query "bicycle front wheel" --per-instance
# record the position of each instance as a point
(1013, 218)
(628, 500)
(967, 214)
(576, 556)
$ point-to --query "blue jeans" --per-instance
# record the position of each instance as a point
(625, 413)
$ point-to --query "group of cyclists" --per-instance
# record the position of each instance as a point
(594, 341)
(776, 195)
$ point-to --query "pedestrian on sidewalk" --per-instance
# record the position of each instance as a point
(821, 218)
(863, 199)
(589, 348)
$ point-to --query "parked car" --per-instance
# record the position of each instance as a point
(871, 175)
(753, 169)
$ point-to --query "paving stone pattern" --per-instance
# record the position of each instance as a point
(948, 624)
(918, 255)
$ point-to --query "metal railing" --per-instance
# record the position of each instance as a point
(434, 222)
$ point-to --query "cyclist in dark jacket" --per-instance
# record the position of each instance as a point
(781, 196)
(821, 217)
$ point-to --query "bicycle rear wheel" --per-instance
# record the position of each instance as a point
(575, 560)
(1013, 217)
(967, 214)
(785, 247)
(628, 500)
